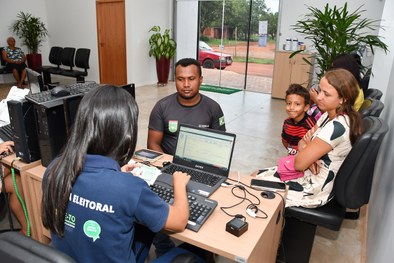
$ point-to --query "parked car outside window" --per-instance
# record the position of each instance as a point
(209, 58)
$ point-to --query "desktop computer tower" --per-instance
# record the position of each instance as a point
(51, 129)
(23, 125)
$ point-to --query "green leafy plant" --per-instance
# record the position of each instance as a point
(31, 30)
(335, 31)
(161, 44)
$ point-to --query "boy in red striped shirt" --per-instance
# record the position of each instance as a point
(299, 122)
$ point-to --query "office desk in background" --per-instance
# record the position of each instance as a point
(21, 168)
(258, 244)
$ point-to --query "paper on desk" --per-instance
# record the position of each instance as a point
(148, 173)
(14, 94)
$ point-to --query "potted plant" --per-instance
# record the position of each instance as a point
(163, 48)
(32, 31)
(336, 31)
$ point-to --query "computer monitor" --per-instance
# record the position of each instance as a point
(36, 83)
(130, 88)
(70, 107)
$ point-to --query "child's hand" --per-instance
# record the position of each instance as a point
(314, 168)
(308, 136)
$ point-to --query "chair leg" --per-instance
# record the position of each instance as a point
(297, 241)
(352, 214)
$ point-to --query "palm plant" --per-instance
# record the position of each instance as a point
(31, 30)
(336, 31)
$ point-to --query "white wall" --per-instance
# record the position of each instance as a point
(382, 72)
(140, 17)
(186, 28)
(380, 233)
(72, 23)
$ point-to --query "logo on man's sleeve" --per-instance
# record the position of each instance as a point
(221, 121)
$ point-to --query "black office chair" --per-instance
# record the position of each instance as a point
(67, 57)
(371, 107)
(15, 247)
(55, 58)
(2, 62)
(373, 93)
(351, 190)
(81, 61)
(364, 82)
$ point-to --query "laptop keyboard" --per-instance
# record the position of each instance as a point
(197, 176)
(6, 133)
(44, 97)
(200, 208)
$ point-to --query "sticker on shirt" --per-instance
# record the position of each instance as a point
(172, 126)
(221, 121)
(69, 220)
(92, 229)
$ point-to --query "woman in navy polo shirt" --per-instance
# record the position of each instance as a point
(91, 202)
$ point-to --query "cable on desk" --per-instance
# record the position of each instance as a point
(19, 196)
(252, 209)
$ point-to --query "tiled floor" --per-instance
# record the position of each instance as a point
(257, 120)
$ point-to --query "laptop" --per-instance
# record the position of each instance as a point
(36, 83)
(203, 153)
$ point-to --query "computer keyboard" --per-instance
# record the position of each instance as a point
(46, 98)
(195, 175)
(6, 133)
(200, 208)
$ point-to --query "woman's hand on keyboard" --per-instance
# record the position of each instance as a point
(179, 210)
(180, 179)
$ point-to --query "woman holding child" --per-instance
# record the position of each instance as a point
(323, 149)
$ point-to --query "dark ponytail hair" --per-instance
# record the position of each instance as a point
(105, 124)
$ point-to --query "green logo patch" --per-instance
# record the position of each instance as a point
(221, 121)
(172, 126)
(92, 229)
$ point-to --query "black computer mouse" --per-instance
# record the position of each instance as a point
(59, 91)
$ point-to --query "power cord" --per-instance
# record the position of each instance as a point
(19, 195)
(252, 209)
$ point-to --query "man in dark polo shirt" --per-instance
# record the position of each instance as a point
(186, 106)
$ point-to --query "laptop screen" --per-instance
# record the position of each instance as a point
(36, 83)
(200, 146)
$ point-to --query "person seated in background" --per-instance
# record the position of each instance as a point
(186, 106)
(91, 203)
(15, 59)
(323, 149)
(348, 62)
(299, 122)
(15, 204)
